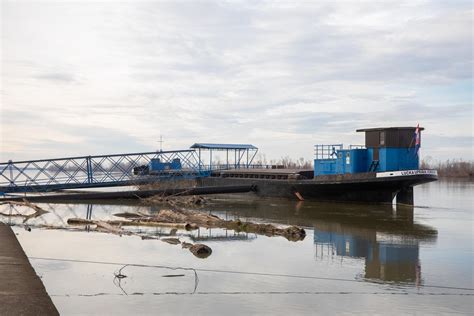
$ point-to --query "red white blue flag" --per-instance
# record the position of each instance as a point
(417, 138)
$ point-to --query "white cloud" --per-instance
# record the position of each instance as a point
(280, 75)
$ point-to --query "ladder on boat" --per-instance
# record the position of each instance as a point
(374, 165)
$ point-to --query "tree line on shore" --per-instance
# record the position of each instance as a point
(451, 168)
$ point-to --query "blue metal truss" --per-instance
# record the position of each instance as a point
(93, 171)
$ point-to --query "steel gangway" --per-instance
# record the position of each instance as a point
(95, 171)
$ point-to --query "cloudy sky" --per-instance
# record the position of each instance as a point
(87, 77)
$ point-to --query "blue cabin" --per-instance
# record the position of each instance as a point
(156, 165)
(385, 149)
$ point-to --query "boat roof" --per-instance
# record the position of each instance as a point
(386, 128)
(223, 146)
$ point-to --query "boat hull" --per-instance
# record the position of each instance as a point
(365, 187)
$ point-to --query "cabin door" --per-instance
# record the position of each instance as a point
(376, 154)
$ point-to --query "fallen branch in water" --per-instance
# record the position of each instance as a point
(115, 227)
(175, 200)
(136, 221)
(201, 219)
(106, 226)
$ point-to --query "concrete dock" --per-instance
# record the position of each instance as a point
(21, 290)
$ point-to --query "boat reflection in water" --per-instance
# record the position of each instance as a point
(387, 257)
(385, 237)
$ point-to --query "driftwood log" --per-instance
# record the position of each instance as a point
(135, 222)
(200, 219)
(115, 227)
(187, 219)
(175, 200)
(107, 226)
(200, 250)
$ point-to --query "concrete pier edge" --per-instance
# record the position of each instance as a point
(21, 290)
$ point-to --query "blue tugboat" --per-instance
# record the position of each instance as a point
(387, 166)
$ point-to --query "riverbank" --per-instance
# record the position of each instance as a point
(451, 169)
(21, 290)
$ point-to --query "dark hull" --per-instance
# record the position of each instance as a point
(347, 188)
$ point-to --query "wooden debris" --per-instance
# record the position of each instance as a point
(79, 221)
(172, 275)
(200, 250)
(191, 226)
(200, 219)
(186, 245)
(128, 215)
(291, 233)
(175, 200)
(101, 225)
(187, 219)
(110, 228)
(172, 241)
(149, 237)
(142, 221)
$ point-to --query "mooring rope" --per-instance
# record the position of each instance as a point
(262, 293)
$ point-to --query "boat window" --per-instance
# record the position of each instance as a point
(382, 138)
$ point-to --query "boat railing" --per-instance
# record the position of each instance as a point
(327, 151)
(222, 167)
(357, 147)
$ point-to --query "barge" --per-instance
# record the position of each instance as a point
(384, 168)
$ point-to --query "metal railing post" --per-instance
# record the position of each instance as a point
(10, 167)
(89, 169)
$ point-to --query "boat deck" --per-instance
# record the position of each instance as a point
(265, 173)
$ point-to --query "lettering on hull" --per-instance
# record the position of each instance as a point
(403, 173)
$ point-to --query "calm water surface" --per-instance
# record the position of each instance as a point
(354, 259)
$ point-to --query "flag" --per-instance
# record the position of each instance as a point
(417, 139)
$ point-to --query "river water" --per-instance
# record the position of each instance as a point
(366, 259)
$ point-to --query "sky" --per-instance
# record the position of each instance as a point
(86, 77)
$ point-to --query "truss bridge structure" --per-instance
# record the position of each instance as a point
(98, 171)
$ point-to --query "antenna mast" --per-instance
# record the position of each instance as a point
(161, 142)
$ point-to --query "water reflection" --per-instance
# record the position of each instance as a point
(387, 239)
(386, 258)
(207, 235)
(254, 275)
(390, 219)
